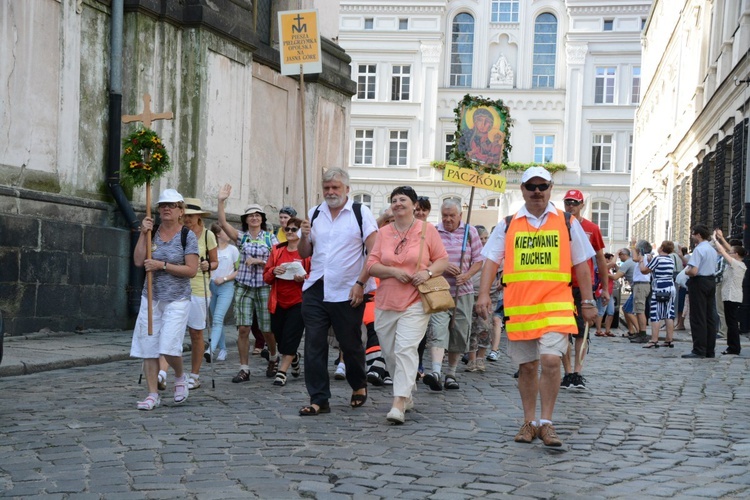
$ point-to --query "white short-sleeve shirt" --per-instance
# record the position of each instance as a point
(337, 250)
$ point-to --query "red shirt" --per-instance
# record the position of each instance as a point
(596, 240)
(284, 293)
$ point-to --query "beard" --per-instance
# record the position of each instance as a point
(335, 201)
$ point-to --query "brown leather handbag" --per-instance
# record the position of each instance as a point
(435, 292)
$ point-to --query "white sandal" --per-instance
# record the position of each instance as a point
(194, 382)
(181, 390)
(149, 403)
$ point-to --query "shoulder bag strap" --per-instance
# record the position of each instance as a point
(421, 246)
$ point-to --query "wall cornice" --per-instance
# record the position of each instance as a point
(390, 9)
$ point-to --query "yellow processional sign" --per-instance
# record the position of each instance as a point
(300, 42)
(471, 177)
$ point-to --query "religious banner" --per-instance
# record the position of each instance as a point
(482, 137)
(300, 42)
(471, 177)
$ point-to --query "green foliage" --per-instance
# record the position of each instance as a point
(144, 158)
(459, 158)
(515, 167)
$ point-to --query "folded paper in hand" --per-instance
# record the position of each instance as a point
(292, 269)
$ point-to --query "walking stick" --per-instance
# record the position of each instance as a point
(208, 326)
(461, 259)
(583, 344)
(149, 275)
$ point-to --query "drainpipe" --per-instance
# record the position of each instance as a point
(135, 278)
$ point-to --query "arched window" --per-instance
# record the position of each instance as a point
(462, 50)
(545, 51)
(364, 199)
(600, 216)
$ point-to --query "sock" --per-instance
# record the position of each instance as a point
(163, 374)
(195, 376)
(452, 371)
(535, 423)
(245, 368)
(543, 421)
(154, 395)
(437, 367)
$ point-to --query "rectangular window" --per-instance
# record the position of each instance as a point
(449, 138)
(403, 24)
(630, 153)
(366, 80)
(369, 23)
(505, 11)
(363, 146)
(544, 148)
(601, 152)
(397, 148)
(604, 85)
(609, 25)
(401, 83)
(635, 94)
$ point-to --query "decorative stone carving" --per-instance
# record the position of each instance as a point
(577, 53)
(431, 52)
(501, 75)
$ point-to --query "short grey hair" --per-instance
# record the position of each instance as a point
(625, 250)
(450, 202)
(335, 173)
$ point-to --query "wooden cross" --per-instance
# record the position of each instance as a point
(147, 116)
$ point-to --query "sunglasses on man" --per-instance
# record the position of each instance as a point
(572, 203)
(533, 187)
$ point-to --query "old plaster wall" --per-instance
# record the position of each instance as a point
(65, 249)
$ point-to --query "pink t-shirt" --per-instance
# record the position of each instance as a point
(393, 295)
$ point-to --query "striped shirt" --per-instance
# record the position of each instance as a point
(453, 241)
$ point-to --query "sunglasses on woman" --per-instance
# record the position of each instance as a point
(291, 229)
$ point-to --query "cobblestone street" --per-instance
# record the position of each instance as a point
(650, 425)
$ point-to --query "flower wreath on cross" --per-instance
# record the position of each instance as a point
(144, 158)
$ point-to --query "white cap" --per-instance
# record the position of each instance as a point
(532, 172)
(169, 196)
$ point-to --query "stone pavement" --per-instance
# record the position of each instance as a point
(649, 425)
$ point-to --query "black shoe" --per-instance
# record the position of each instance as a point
(733, 353)
(265, 354)
(566, 381)
(577, 381)
(710, 354)
(433, 381)
(375, 379)
(692, 355)
(465, 358)
(640, 339)
(515, 375)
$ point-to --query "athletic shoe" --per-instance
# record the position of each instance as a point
(222, 355)
(566, 381)
(207, 355)
(340, 372)
(493, 356)
(577, 381)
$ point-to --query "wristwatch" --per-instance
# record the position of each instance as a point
(165, 265)
(429, 272)
(589, 301)
(360, 283)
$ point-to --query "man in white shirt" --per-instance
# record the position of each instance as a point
(332, 295)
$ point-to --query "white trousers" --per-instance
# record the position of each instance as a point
(400, 333)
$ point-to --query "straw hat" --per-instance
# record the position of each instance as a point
(193, 207)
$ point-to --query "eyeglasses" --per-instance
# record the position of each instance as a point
(400, 246)
(533, 187)
(291, 229)
(168, 205)
(573, 203)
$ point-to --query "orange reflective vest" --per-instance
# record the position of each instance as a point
(538, 297)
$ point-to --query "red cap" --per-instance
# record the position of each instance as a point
(573, 194)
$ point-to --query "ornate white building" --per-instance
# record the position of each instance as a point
(568, 70)
(691, 147)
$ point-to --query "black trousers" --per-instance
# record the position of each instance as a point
(702, 292)
(346, 321)
(732, 317)
(287, 326)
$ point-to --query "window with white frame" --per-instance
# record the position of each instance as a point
(366, 81)
(504, 11)
(601, 152)
(403, 24)
(449, 138)
(600, 216)
(630, 153)
(544, 148)
(363, 146)
(401, 83)
(398, 148)
(493, 202)
(604, 86)
(609, 25)
(462, 50)
(635, 85)
(364, 199)
(369, 23)
(545, 51)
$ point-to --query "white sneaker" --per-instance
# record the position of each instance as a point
(222, 355)
(395, 416)
(340, 372)
(194, 382)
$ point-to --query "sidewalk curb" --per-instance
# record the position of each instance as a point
(29, 368)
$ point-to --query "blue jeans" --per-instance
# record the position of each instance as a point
(221, 299)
